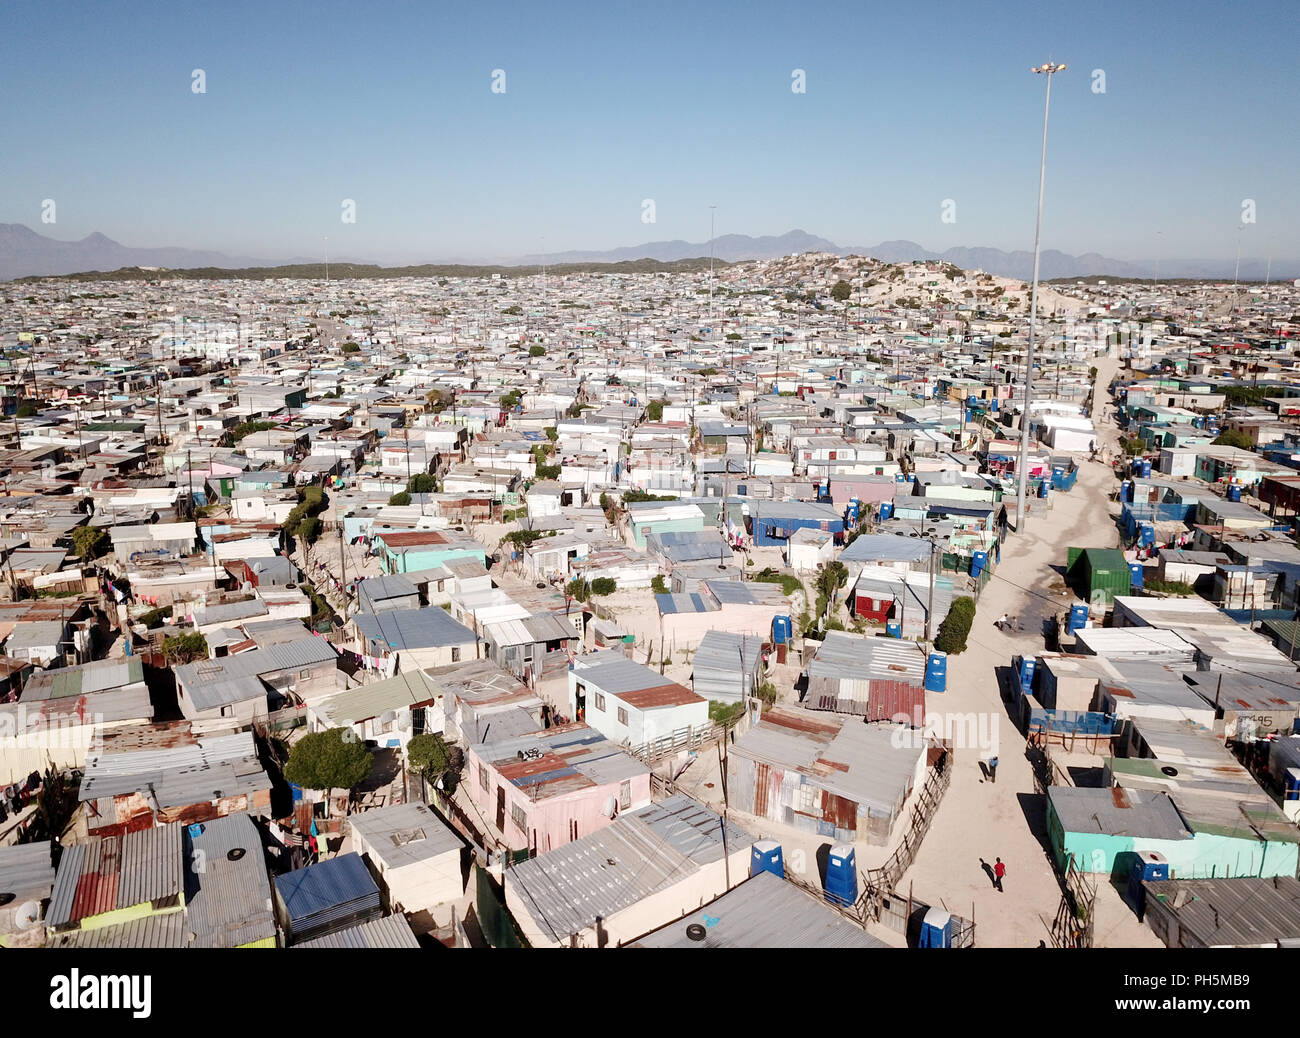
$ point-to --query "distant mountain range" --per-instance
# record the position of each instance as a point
(24, 252)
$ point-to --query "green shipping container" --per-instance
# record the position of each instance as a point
(1094, 570)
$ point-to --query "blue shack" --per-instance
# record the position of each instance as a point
(772, 522)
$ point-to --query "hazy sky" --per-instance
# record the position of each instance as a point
(688, 104)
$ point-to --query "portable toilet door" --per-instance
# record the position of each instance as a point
(886, 510)
(936, 929)
(767, 857)
(1234, 492)
(1135, 574)
(1146, 468)
(1291, 801)
(936, 672)
(1125, 491)
(1027, 665)
(1147, 536)
(978, 561)
(842, 876)
(893, 629)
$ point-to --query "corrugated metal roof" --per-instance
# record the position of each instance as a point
(639, 853)
(763, 912)
(324, 887)
(413, 629)
(848, 657)
(26, 872)
(364, 702)
(228, 902)
(166, 930)
(1117, 812)
(111, 872)
(392, 931)
(209, 768)
(1241, 912)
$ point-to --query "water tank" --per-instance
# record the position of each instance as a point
(936, 672)
(893, 629)
(1027, 664)
(1234, 492)
(1135, 573)
(842, 875)
(766, 857)
(936, 929)
(1078, 618)
(978, 561)
(886, 510)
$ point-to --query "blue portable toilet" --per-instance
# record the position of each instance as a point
(842, 875)
(1234, 492)
(296, 791)
(1147, 536)
(851, 514)
(1043, 488)
(781, 629)
(195, 830)
(1078, 618)
(1027, 664)
(936, 929)
(886, 510)
(900, 477)
(1135, 573)
(1292, 784)
(893, 629)
(1146, 468)
(767, 857)
(1125, 491)
(1149, 865)
(993, 404)
(936, 672)
(968, 414)
(978, 561)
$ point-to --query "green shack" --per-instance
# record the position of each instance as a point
(1093, 570)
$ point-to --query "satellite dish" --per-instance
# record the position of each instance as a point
(28, 915)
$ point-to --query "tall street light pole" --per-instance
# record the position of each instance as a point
(712, 213)
(1049, 70)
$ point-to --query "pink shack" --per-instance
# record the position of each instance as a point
(546, 789)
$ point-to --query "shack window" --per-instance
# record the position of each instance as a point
(483, 778)
(622, 716)
(455, 654)
(519, 818)
(625, 795)
(600, 702)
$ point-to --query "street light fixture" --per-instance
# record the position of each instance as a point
(1049, 70)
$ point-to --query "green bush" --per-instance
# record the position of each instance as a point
(537, 351)
(659, 586)
(956, 626)
(1234, 438)
(400, 498)
(421, 483)
(604, 586)
(548, 471)
(185, 648)
(328, 760)
(89, 542)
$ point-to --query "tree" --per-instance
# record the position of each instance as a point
(1234, 438)
(578, 590)
(89, 542)
(185, 648)
(832, 577)
(658, 585)
(655, 410)
(334, 759)
(421, 483)
(956, 625)
(26, 409)
(841, 291)
(429, 755)
(604, 586)
(351, 347)
(400, 498)
(537, 351)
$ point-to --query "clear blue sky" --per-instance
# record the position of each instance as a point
(686, 103)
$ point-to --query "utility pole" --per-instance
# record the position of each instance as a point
(929, 609)
(1049, 70)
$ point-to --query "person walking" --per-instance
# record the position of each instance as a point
(999, 870)
(993, 769)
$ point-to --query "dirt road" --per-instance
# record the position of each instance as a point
(983, 820)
